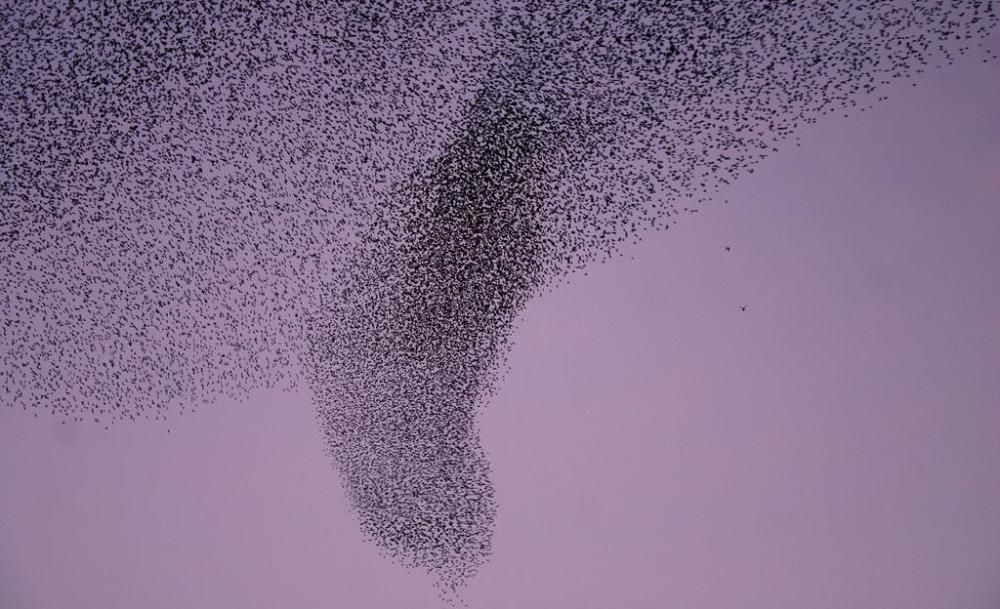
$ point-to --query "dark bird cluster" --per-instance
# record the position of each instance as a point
(201, 199)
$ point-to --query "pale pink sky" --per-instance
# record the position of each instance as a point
(837, 445)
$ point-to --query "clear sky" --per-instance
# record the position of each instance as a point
(836, 444)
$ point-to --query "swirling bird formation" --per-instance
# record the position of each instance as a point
(201, 199)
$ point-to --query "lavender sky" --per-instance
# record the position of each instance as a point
(836, 444)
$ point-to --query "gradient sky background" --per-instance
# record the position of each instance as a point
(836, 445)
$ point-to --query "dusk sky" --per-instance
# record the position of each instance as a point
(654, 445)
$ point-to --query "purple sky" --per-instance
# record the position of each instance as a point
(835, 445)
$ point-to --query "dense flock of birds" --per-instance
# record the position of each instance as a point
(201, 199)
